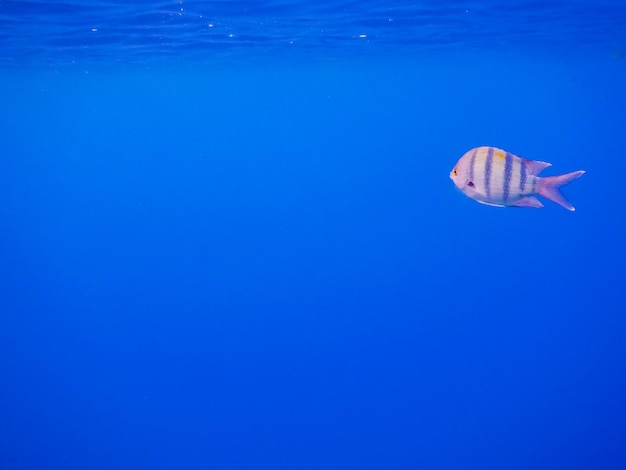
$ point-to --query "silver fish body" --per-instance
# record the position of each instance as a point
(496, 177)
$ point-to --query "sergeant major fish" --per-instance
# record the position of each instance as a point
(496, 177)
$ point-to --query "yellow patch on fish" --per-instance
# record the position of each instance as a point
(499, 155)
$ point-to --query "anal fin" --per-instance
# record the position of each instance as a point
(528, 201)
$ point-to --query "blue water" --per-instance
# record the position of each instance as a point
(228, 238)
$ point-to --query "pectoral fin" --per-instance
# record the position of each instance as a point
(490, 204)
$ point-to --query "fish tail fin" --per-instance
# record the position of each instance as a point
(548, 187)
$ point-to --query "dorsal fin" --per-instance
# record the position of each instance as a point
(534, 167)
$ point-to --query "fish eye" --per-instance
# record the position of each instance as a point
(455, 172)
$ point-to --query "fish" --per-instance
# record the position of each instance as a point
(495, 177)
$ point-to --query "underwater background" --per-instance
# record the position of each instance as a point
(228, 237)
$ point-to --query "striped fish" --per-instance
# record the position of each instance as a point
(496, 177)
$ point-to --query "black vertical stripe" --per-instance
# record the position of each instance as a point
(523, 175)
(472, 162)
(488, 162)
(508, 171)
